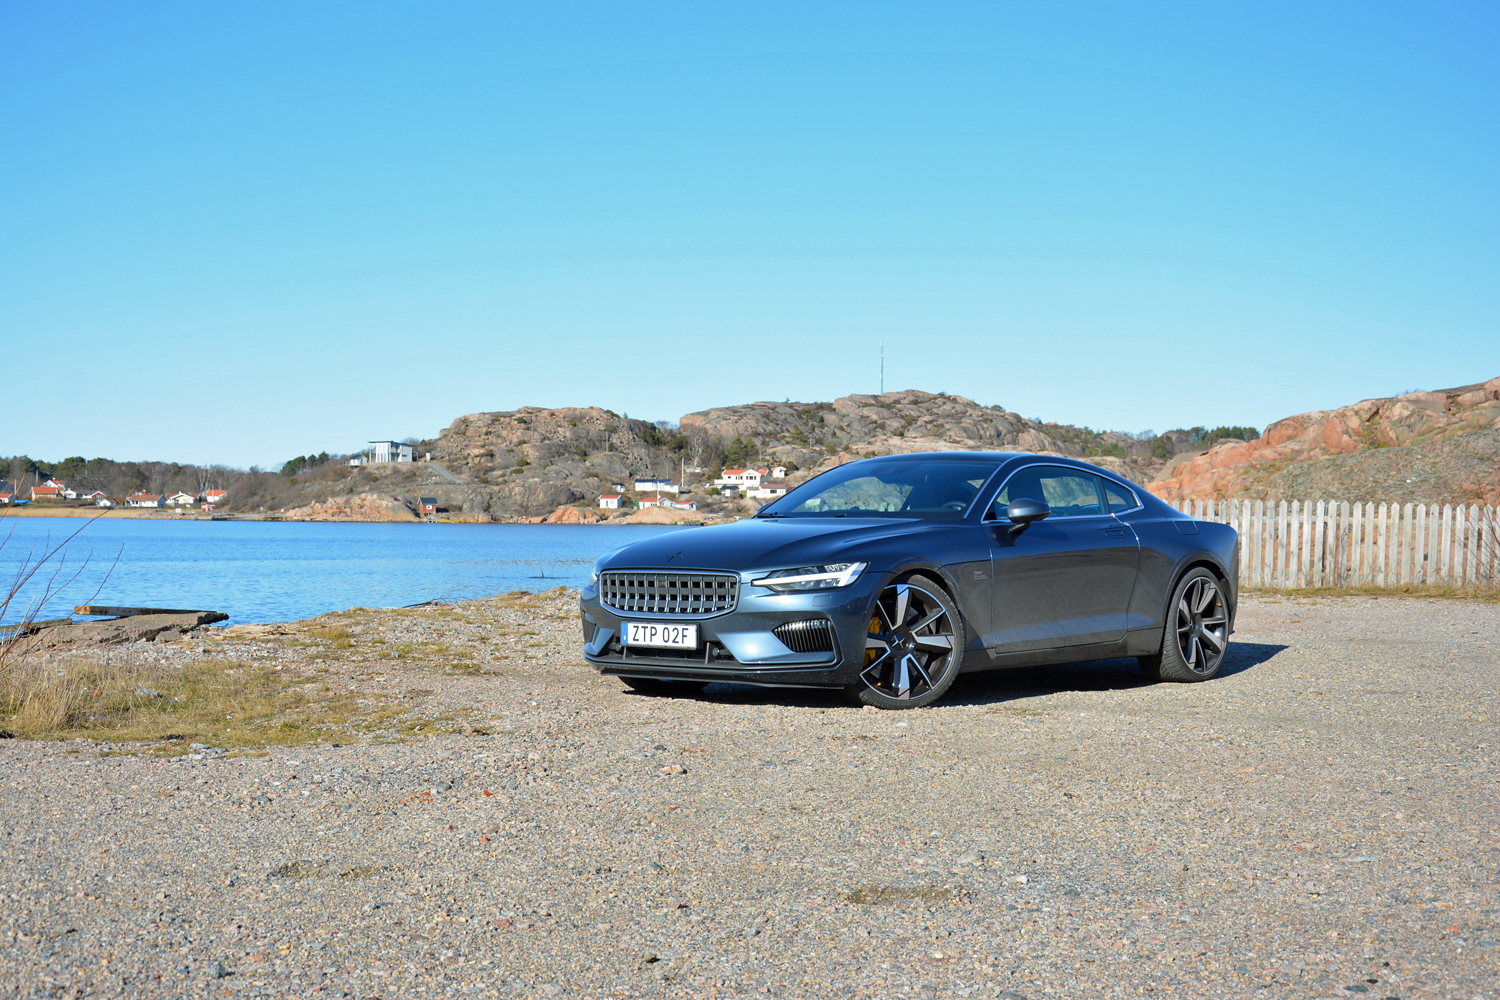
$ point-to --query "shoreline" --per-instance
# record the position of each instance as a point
(77, 513)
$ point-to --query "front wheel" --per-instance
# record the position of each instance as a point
(913, 648)
(1196, 638)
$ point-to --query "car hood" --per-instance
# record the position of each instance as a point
(764, 543)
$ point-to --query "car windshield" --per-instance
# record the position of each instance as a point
(886, 488)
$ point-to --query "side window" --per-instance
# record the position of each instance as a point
(1118, 497)
(1069, 492)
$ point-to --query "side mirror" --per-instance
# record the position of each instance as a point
(1023, 513)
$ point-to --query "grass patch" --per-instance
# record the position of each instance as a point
(1486, 593)
(220, 703)
(890, 895)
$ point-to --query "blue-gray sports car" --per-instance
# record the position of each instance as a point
(889, 577)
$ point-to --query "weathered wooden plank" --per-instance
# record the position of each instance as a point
(1464, 546)
(1275, 529)
(1445, 546)
(1319, 562)
(11, 630)
(1262, 544)
(1419, 545)
(1393, 546)
(1380, 539)
(122, 612)
(1487, 551)
(1292, 523)
(1335, 546)
(1304, 548)
(1256, 510)
(1406, 545)
(1356, 547)
(1430, 543)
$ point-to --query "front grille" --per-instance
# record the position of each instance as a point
(806, 637)
(669, 593)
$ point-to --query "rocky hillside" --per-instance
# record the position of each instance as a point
(527, 462)
(1421, 447)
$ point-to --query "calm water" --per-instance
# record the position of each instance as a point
(260, 571)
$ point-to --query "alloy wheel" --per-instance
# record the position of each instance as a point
(1202, 626)
(910, 646)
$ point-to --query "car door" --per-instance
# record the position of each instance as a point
(1066, 580)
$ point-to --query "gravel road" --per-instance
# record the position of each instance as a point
(1322, 820)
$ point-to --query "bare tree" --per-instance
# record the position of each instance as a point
(54, 560)
(702, 447)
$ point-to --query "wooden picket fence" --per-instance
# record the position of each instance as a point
(1337, 544)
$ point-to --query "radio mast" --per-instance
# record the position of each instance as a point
(882, 368)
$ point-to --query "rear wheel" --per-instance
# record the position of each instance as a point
(1196, 637)
(659, 688)
(913, 649)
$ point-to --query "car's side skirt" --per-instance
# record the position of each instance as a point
(1060, 654)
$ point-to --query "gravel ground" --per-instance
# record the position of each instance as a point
(1320, 821)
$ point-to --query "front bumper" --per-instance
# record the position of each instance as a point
(741, 645)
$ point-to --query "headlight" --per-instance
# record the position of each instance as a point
(812, 577)
(594, 577)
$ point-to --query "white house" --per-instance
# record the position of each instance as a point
(145, 500)
(216, 496)
(681, 505)
(767, 490)
(182, 499)
(54, 482)
(656, 501)
(743, 478)
(610, 501)
(656, 485)
(390, 451)
(105, 501)
(90, 495)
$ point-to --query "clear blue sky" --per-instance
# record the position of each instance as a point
(237, 232)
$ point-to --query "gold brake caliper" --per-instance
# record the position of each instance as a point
(871, 655)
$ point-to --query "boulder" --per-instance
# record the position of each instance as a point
(572, 515)
(363, 507)
(117, 631)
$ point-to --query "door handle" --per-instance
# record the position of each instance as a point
(1114, 532)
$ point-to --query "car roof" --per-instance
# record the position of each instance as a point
(991, 457)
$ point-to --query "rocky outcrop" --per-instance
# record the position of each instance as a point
(117, 631)
(571, 515)
(364, 507)
(817, 435)
(527, 463)
(1421, 447)
(663, 515)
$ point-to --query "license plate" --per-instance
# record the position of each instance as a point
(659, 635)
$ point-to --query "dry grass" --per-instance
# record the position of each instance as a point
(336, 634)
(887, 895)
(215, 702)
(1489, 594)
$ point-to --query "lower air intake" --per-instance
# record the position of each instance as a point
(806, 637)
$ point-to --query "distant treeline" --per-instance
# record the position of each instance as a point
(249, 489)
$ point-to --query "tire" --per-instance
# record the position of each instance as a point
(914, 647)
(1195, 637)
(657, 688)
